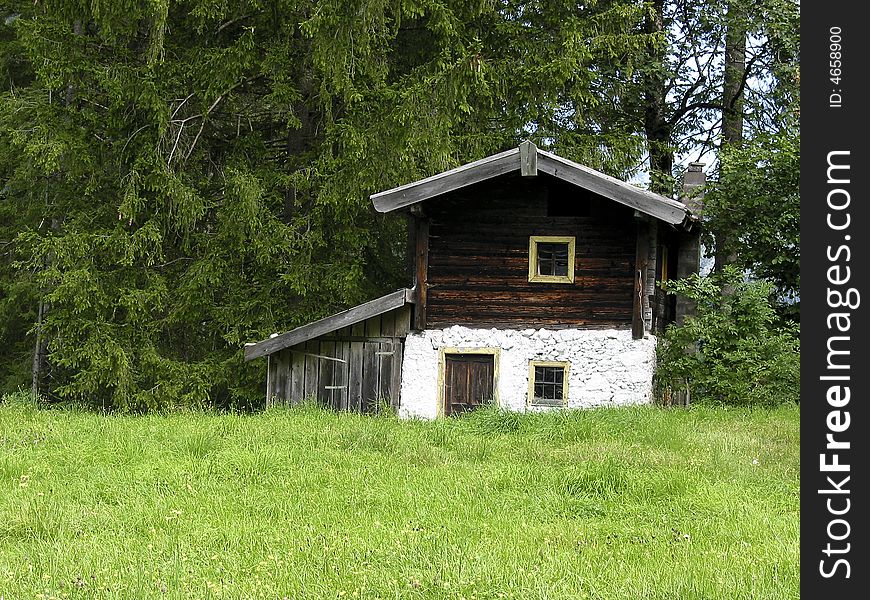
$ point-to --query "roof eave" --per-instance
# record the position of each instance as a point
(329, 324)
(475, 172)
(658, 206)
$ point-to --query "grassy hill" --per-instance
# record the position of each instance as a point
(628, 503)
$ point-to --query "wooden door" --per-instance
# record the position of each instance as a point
(468, 381)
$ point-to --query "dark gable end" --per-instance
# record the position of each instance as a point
(479, 254)
(529, 160)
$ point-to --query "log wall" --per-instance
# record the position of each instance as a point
(478, 256)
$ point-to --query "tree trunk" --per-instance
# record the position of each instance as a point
(656, 126)
(38, 353)
(732, 109)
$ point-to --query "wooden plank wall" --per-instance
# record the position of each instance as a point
(356, 368)
(664, 304)
(479, 251)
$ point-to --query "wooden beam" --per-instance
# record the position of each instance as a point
(410, 248)
(329, 324)
(640, 266)
(657, 206)
(421, 275)
(528, 159)
(475, 172)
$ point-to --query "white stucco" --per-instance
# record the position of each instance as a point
(607, 367)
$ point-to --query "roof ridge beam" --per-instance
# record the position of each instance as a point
(528, 159)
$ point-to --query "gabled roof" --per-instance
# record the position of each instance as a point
(528, 159)
(329, 324)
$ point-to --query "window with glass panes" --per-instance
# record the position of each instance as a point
(551, 259)
(548, 383)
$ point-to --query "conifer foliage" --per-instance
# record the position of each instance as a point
(178, 178)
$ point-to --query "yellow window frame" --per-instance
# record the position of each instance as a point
(534, 276)
(530, 400)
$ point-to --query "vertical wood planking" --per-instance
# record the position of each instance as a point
(271, 366)
(281, 369)
(355, 377)
(358, 330)
(640, 267)
(385, 370)
(396, 375)
(327, 375)
(297, 374)
(312, 366)
(402, 317)
(411, 249)
(421, 254)
(342, 370)
(368, 368)
(370, 377)
(528, 159)
(373, 327)
(468, 382)
(388, 324)
(649, 284)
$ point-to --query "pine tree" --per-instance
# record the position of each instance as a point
(182, 177)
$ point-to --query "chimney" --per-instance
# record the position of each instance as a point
(693, 179)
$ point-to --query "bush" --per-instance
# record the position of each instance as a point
(734, 350)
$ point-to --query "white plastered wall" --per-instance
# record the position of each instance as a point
(607, 367)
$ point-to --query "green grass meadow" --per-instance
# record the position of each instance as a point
(628, 503)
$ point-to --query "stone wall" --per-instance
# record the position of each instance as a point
(607, 367)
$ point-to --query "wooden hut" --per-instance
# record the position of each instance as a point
(536, 284)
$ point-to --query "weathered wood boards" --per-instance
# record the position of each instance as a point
(348, 317)
(654, 205)
(421, 274)
(640, 274)
(479, 237)
(478, 257)
(528, 160)
(480, 170)
(468, 382)
(354, 368)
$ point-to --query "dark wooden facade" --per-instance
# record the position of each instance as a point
(355, 368)
(476, 263)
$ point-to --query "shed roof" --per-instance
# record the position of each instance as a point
(528, 159)
(329, 324)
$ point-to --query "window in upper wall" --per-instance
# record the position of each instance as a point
(548, 383)
(551, 259)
